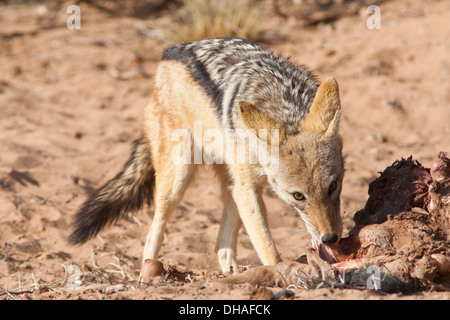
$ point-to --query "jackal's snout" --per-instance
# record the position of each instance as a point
(331, 232)
(324, 221)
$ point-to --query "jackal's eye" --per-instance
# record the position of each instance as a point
(298, 196)
(332, 187)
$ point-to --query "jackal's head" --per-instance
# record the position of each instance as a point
(310, 164)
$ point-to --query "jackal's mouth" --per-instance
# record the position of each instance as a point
(331, 253)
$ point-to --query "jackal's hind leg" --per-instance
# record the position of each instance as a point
(171, 182)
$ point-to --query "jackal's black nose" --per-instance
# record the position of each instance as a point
(329, 238)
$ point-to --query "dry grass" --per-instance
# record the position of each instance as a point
(203, 19)
(117, 272)
(109, 271)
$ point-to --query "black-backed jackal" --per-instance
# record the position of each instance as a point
(237, 89)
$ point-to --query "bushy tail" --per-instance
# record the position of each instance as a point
(125, 193)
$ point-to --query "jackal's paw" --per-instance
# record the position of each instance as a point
(227, 260)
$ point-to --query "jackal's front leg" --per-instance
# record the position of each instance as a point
(228, 233)
(253, 214)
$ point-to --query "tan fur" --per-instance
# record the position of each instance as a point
(170, 108)
(324, 109)
(256, 120)
(177, 102)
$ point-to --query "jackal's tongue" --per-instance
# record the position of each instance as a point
(329, 253)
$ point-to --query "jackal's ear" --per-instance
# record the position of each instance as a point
(325, 111)
(255, 119)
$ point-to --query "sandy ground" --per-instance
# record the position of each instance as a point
(71, 103)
